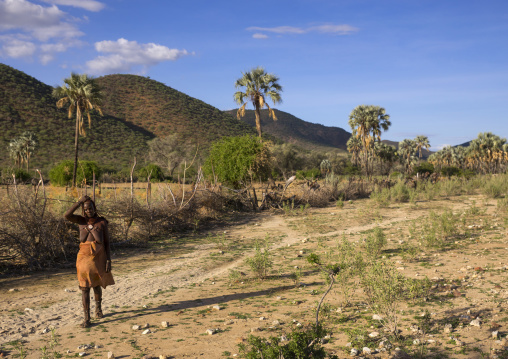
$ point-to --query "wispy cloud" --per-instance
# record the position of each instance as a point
(32, 30)
(90, 5)
(342, 29)
(259, 36)
(124, 55)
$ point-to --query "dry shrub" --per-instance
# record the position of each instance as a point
(31, 235)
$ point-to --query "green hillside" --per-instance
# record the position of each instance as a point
(163, 110)
(301, 133)
(27, 105)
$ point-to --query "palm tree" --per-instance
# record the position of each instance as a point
(421, 142)
(16, 151)
(83, 95)
(258, 86)
(367, 122)
(407, 149)
(354, 146)
(29, 144)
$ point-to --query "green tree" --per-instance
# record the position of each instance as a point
(61, 174)
(367, 122)
(407, 149)
(16, 151)
(237, 160)
(421, 142)
(28, 143)
(258, 86)
(83, 95)
(354, 146)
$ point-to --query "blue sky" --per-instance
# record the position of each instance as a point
(439, 68)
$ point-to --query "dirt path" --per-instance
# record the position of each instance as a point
(151, 288)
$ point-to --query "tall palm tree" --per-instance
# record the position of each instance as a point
(407, 149)
(354, 146)
(29, 144)
(83, 95)
(258, 86)
(421, 142)
(367, 122)
(16, 151)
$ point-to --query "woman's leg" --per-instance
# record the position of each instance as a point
(85, 292)
(97, 291)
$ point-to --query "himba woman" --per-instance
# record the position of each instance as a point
(94, 257)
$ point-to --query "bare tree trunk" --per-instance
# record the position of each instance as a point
(75, 170)
(258, 120)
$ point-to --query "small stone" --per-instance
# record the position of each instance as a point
(459, 343)
(146, 331)
(111, 355)
(448, 328)
(98, 346)
(255, 329)
(283, 338)
(146, 326)
(136, 327)
(476, 323)
(279, 298)
(374, 335)
(377, 317)
(367, 351)
(416, 341)
(163, 357)
(165, 324)
(353, 352)
(495, 335)
(216, 307)
(13, 290)
(262, 318)
(275, 322)
(82, 354)
(210, 331)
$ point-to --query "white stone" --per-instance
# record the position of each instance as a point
(163, 357)
(82, 354)
(216, 307)
(377, 317)
(476, 323)
(374, 335)
(416, 341)
(275, 322)
(111, 355)
(367, 351)
(146, 331)
(164, 324)
(495, 335)
(210, 331)
(136, 327)
(353, 352)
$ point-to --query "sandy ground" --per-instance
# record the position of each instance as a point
(194, 290)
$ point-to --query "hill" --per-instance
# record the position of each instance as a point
(297, 131)
(136, 109)
(27, 105)
(162, 110)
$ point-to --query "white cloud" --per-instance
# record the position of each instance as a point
(90, 5)
(18, 48)
(43, 23)
(125, 54)
(323, 29)
(34, 30)
(259, 36)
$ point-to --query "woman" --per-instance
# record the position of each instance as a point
(94, 257)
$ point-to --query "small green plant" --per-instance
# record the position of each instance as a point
(374, 243)
(261, 262)
(234, 276)
(302, 343)
(339, 203)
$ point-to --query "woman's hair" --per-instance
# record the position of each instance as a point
(94, 207)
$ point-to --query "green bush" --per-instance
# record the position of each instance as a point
(375, 242)
(154, 171)
(20, 174)
(450, 171)
(308, 174)
(61, 174)
(261, 262)
(424, 167)
(236, 160)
